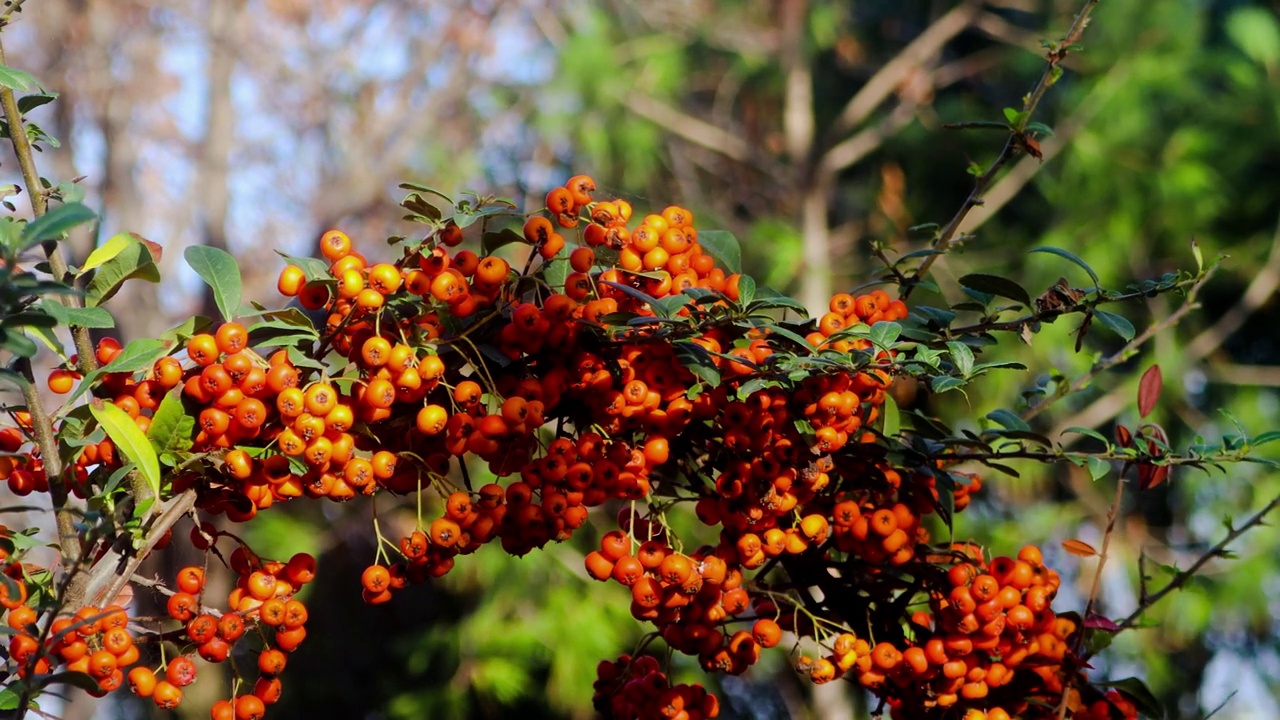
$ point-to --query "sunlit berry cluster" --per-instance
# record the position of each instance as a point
(605, 364)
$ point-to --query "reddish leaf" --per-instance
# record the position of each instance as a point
(1099, 622)
(1123, 437)
(1149, 390)
(1150, 476)
(155, 248)
(1079, 548)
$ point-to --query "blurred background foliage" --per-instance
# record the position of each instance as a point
(814, 130)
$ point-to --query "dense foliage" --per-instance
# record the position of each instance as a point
(579, 358)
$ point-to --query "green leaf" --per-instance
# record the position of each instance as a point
(1064, 254)
(934, 316)
(746, 290)
(13, 378)
(220, 271)
(189, 327)
(627, 289)
(1115, 323)
(56, 223)
(47, 336)
(10, 697)
(1008, 420)
(754, 385)
(27, 103)
(944, 383)
(312, 268)
(794, 337)
(118, 477)
(962, 356)
(78, 679)
(107, 250)
(1039, 128)
(999, 365)
(421, 208)
(91, 317)
(27, 540)
(1264, 438)
(699, 361)
(996, 285)
(946, 488)
(885, 333)
(668, 306)
(1098, 468)
(491, 241)
(889, 414)
(768, 298)
(302, 360)
(171, 427)
(289, 323)
(424, 188)
(132, 262)
(17, 343)
(19, 80)
(35, 318)
(1088, 433)
(723, 246)
(138, 355)
(555, 272)
(129, 440)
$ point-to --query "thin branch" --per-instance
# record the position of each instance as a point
(22, 148)
(888, 78)
(853, 149)
(114, 570)
(687, 126)
(42, 425)
(1261, 288)
(1076, 457)
(1025, 170)
(1237, 374)
(1182, 577)
(1112, 515)
(1011, 147)
(1130, 348)
(159, 586)
(39, 206)
(1051, 315)
(14, 7)
(997, 28)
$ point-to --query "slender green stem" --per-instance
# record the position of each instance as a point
(39, 206)
(1013, 145)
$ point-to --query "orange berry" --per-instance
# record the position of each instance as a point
(335, 245)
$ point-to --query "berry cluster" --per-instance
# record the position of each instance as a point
(263, 598)
(631, 373)
(637, 689)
